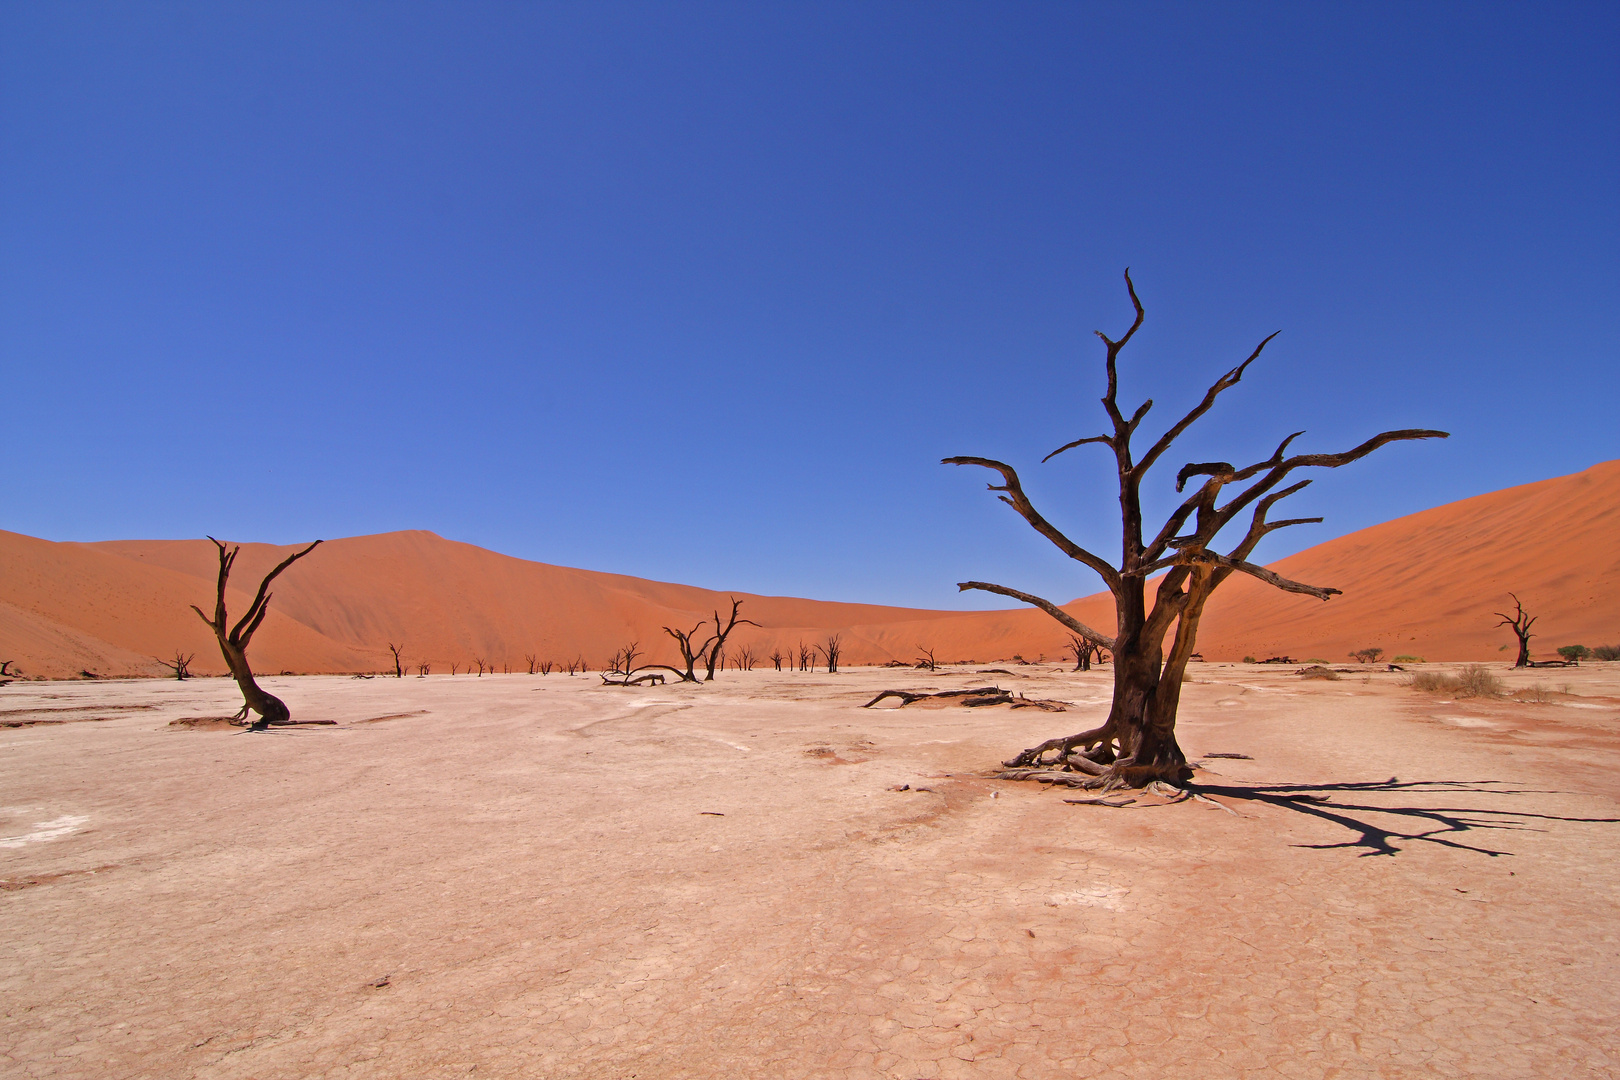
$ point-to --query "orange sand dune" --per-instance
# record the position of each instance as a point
(1424, 584)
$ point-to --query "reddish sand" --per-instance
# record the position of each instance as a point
(1425, 584)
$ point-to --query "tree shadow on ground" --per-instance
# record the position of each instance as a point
(1443, 825)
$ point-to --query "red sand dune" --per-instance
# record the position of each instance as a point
(1424, 584)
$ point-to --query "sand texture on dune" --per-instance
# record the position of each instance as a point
(522, 877)
(1424, 584)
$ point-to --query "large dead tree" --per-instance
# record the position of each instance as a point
(1520, 622)
(690, 653)
(233, 640)
(1137, 741)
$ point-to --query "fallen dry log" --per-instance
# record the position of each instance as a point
(973, 697)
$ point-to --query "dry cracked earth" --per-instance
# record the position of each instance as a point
(521, 876)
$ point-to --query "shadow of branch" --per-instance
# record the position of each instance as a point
(1442, 825)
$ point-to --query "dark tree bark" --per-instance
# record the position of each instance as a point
(399, 667)
(690, 653)
(1137, 740)
(718, 641)
(233, 640)
(830, 652)
(926, 660)
(1520, 622)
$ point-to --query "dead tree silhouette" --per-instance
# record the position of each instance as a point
(180, 665)
(690, 654)
(399, 667)
(830, 652)
(1520, 622)
(1082, 651)
(233, 640)
(1137, 742)
(718, 640)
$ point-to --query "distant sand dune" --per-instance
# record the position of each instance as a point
(1424, 584)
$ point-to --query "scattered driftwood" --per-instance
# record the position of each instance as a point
(1279, 660)
(974, 697)
(1552, 663)
(1396, 667)
(622, 669)
(1232, 757)
(993, 671)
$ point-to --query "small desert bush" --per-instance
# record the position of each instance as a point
(1404, 659)
(1574, 652)
(1317, 671)
(1475, 680)
(1606, 652)
(1250, 660)
(1537, 693)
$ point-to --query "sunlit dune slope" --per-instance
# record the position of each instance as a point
(1424, 584)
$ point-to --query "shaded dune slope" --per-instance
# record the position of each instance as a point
(1423, 584)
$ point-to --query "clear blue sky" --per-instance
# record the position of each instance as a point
(704, 292)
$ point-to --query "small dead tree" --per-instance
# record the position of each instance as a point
(547, 666)
(718, 641)
(233, 640)
(806, 654)
(480, 662)
(1083, 651)
(180, 665)
(1519, 622)
(455, 666)
(926, 660)
(423, 669)
(622, 670)
(744, 659)
(531, 660)
(829, 652)
(399, 665)
(776, 657)
(1137, 742)
(690, 653)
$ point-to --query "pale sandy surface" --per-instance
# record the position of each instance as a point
(527, 866)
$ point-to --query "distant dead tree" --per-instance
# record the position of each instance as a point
(1136, 745)
(180, 665)
(829, 652)
(546, 666)
(531, 660)
(1082, 651)
(1519, 622)
(454, 666)
(776, 657)
(399, 666)
(622, 670)
(1367, 656)
(926, 660)
(718, 641)
(806, 654)
(422, 670)
(479, 660)
(744, 659)
(233, 640)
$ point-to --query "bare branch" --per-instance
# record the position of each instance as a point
(1110, 402)
(255, 613)
(1210, 558)
(1224, 383)
(1109, 439)
(1045, 605)
(1020, 502)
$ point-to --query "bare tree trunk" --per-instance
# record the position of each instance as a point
(720, 635)
(233, 642)
(1520, 622)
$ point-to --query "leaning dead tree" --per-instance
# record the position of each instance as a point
(1519, 622)
(233, 642)
(690, 653)
(1136, 744)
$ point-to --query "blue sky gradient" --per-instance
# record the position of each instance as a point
(704, 292)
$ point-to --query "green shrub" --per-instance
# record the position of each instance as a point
(1606, 652)
(1250, 660)
(1574, 652)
